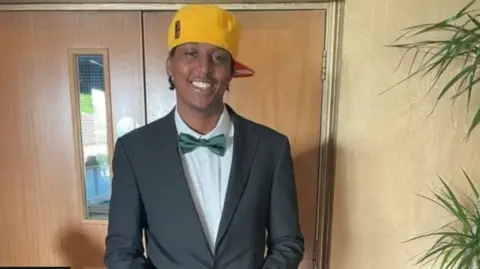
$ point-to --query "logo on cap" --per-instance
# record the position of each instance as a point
(177, 29)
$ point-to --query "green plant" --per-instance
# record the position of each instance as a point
(458, 242)
(461, 50)
(86, 104)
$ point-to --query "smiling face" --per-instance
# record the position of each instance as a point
(201, 74)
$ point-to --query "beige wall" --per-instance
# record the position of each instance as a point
(388, 146)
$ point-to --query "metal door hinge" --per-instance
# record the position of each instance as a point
(314, 254)
(324, 64)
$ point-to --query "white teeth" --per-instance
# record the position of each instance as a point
(201, 85)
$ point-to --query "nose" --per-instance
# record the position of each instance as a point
(205, 65)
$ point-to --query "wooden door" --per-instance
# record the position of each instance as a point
(285, 48)
(54, 124)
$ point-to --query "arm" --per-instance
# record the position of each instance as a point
(124, 248)
(285, 239)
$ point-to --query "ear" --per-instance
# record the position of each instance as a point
(168, 66)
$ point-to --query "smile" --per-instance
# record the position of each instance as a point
(202, 85)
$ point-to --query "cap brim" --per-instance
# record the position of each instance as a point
(241, 71)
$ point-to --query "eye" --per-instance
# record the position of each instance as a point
(191, 53)
(220, 58)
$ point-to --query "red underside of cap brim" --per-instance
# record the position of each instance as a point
(241, 70)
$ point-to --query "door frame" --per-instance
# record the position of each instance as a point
(330, 75)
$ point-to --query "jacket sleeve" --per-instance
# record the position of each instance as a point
(124, 248)
(285, 240)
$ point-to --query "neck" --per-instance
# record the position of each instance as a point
(201, 122)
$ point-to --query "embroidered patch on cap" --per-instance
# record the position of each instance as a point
(177, 29)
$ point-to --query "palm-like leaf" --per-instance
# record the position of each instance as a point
(458, 242)
(461, 51)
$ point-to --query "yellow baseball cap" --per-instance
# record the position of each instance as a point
(208, 24)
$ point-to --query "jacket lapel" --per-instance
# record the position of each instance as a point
(244, 148)
(173, 177)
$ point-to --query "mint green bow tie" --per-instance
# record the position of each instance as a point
(216, 144)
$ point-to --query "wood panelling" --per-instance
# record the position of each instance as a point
(285, 49)
(40, 198)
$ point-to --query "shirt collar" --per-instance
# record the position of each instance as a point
(224, 126)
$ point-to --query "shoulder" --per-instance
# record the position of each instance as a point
(272, 146)
(146, 132)
(266, 134)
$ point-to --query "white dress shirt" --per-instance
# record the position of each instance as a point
(208, 174)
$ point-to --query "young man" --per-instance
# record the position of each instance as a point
(208, 188)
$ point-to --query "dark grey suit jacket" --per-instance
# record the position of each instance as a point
(150, 194)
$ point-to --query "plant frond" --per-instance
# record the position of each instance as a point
(475, 123)
(443, 54)
(457, 243)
